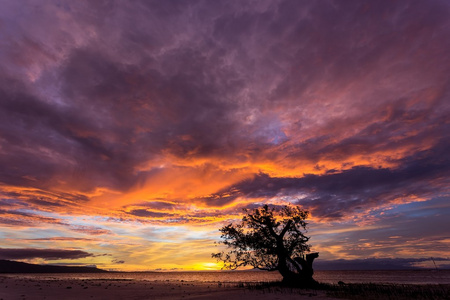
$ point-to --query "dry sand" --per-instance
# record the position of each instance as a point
(12, 288)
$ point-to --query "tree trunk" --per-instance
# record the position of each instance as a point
(298, 280)
(302, 279)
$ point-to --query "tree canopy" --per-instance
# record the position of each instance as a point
(270, 238)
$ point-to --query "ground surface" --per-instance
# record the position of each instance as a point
(57, 289)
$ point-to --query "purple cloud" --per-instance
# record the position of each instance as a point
(47, 254)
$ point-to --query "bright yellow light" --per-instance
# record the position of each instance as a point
(207, 266)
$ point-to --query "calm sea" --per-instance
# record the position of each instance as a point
(402, 277)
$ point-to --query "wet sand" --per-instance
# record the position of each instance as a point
(12, 288)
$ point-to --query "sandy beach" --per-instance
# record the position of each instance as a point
(12, 288)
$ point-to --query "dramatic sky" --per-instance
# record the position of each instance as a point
(130, 131)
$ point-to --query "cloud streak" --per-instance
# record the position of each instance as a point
(47, 254)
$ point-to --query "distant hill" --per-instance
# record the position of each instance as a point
(8, 266)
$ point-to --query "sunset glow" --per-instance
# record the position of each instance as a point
(131, 131)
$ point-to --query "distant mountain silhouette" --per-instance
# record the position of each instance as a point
(8, 266)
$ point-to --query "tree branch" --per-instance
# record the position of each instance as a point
(286, 228)
(272, 232)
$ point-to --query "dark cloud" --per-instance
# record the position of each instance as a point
(43, 203)
(147, 213)
(43, 198)
(91, 230)
(20, 218)
(47, 254)
(403, 229)
(204, 88)
(159, 205)
(117, 261)
(62, 135)
(335, 194)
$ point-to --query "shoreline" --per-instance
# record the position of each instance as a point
(33, 288)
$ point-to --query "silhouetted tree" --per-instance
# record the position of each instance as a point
(271, 238)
